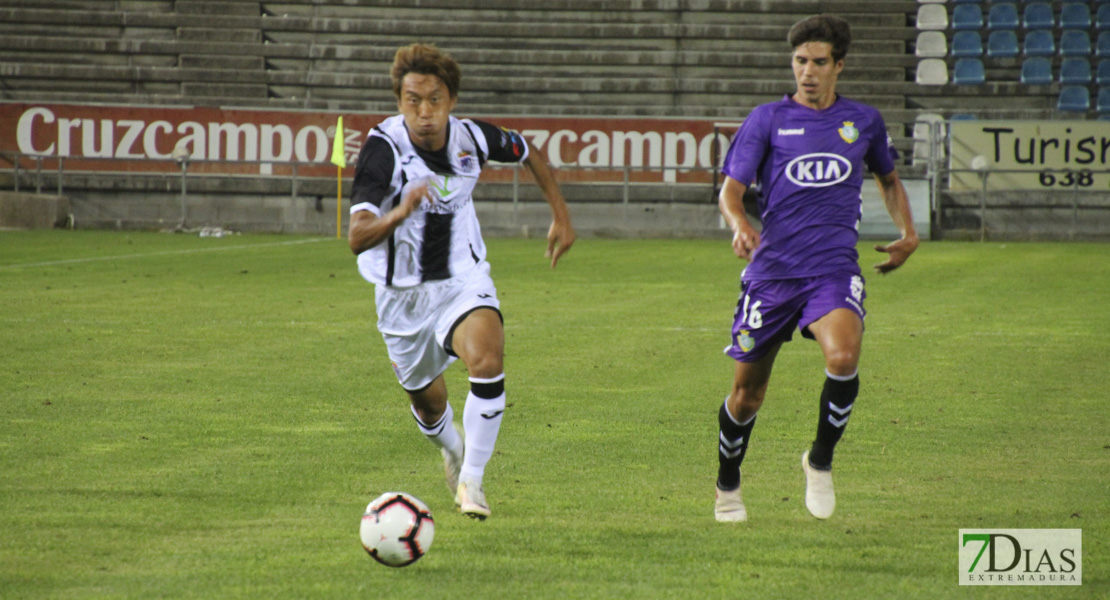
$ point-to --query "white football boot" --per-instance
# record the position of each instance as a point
(729, 507)
(471, 500)
(820, 497)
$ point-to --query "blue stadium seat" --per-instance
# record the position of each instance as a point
(1075, 15)
(1102, 21)
(1103, 104)
(1075, 42)
(1002, 44)
(1036, 71)
(1074, 98)
(968, 71)
(1102, 77)
(1075, 71)
(967, 43)
(1038, 15)
(1103, 46)
(1003, 15)
(1040, 42)
(967, 16)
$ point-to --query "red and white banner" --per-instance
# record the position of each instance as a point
(266, 142)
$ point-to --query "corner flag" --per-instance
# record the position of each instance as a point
(338, 154)
(339, 159)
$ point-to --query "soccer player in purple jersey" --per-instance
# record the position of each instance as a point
(807, 152)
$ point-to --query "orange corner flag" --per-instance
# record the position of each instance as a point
(338, 154)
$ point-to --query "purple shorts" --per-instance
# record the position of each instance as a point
(768, 311)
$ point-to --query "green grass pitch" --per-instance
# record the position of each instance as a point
(188, 417)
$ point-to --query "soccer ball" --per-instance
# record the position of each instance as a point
(397, 529)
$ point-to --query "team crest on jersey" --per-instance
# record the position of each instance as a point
(466, 161)
(848, 133)
(746, 341)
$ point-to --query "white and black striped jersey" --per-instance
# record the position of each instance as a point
(441, 239)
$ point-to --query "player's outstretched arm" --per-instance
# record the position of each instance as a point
(745, 239)
(367, 230)
(560, 236)
(898, 205)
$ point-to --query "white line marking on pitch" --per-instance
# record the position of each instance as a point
(70, 261)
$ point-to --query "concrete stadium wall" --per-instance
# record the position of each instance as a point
(22, 210)
(653, 211)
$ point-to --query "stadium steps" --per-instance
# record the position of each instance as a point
(680, 58)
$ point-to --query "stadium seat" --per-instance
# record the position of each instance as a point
(932, 17)
(967, 16)
(1103, 46)
(1001, 44)
(1102, 21)
(1039, 42)
(1074, 98)
(968, 71)
(931, 44)
(1074, 42)
(1003, 15)
(1038, 15)
(972, 1)
(924, 127)
(1075, 70)
(1103, 103)
(1075, 15)
(1036, 71)
(1102, 76)
(968, 43)
(932, 71)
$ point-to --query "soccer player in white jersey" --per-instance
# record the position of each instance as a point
(417, 238)
(808, 152)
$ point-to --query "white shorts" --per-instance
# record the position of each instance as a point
(416, 322)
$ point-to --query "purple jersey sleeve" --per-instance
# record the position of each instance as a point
(880, 152)
(749, 148)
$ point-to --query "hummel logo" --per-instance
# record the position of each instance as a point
(840, 411)
(799, 131)
(492, 415)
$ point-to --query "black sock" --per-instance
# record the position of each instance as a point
(836, 406)
(732, 444)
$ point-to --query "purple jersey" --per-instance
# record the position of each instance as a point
(809, 164)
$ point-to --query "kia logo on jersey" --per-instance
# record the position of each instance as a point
(820, 169)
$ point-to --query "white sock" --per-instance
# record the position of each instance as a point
(442, 433)
(482, 422)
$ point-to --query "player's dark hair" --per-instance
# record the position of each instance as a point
(822, 28)
(425, 59)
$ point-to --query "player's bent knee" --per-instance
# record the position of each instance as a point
(842, 363)
(485, 365)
